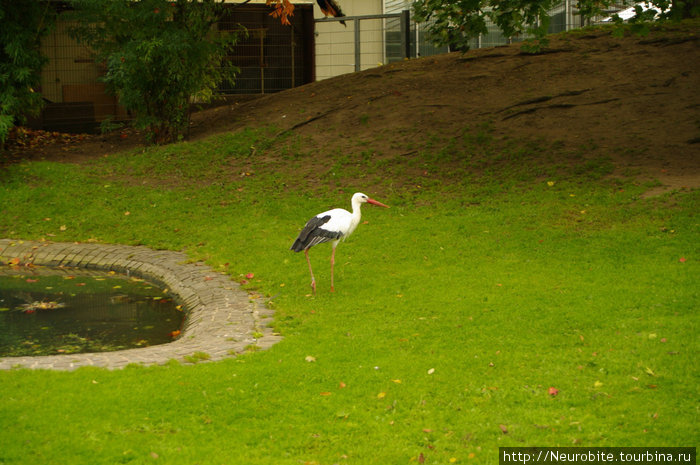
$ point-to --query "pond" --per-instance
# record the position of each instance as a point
(68, 311)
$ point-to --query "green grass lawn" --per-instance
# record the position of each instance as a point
(503, 269)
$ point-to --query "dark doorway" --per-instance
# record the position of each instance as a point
(273, 57)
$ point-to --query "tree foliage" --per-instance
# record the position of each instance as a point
(456, 22)
(160, 56)
(282, 9)
(22, 24)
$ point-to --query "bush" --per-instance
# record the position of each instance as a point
(22, 24)
(160, 55)
(456, 22)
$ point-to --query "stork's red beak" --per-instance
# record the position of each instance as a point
(379, 204)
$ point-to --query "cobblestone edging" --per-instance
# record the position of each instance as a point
(221, 319)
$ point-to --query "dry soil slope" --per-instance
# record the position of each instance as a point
(635, 98)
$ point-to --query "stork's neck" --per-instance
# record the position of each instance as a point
(355, 218)
(356, 206)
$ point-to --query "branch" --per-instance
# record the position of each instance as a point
(307, 121)
(236, 5)
(558, 105)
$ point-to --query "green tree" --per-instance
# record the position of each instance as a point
(160, 55)
(22, 24)
(457, 22)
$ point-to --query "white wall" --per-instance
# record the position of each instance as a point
(335, 44)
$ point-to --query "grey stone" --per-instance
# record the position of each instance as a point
(212, 302)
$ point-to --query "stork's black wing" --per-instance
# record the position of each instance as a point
(313, 234)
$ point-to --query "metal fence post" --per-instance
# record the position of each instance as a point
(358, 55)
(405, 34)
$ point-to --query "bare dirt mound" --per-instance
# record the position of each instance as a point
(634, 99)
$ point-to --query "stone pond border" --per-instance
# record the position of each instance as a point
(222, 320)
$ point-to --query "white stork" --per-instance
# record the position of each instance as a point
(332, 225)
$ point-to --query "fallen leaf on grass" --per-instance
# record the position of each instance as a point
(552, 391)
(504, 428)
(310, 358)
(325, 394)
(381, 395)
(649, 371)
(431, 371)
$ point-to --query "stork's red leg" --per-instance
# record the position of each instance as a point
(313, 281)
(332, 266)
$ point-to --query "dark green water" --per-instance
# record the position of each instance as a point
(44, 314)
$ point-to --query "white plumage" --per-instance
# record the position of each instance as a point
(331, 226)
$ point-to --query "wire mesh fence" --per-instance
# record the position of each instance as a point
(562, 17)
(355, 43)
(374, 40)
(271, 57)
(75, 98)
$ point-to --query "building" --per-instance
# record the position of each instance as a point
(272, 57)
